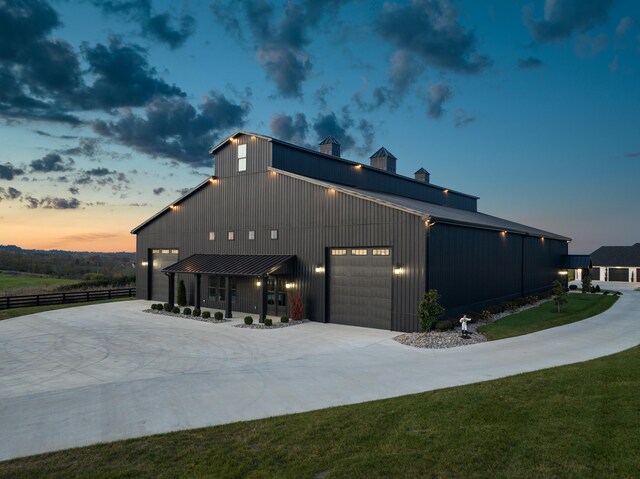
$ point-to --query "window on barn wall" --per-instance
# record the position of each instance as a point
(231, 235)
(242, 157)
(274, 234)
(252, 235)
(212, 235)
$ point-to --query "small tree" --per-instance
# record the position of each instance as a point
(559, 294)
(182, 294)
(586, 283)
(429, 310)
(296, 306)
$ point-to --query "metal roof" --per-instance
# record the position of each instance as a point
(421, 170)
(577, 261)
(329, 140)
(617, 256)
(433, 212)
(383, 152)
(230, 264)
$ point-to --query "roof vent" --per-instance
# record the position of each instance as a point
(330, 146)
(422, 175)
(384, 160)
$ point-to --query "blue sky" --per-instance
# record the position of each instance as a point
(108, 107)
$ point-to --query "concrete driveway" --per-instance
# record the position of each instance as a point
(100, 373)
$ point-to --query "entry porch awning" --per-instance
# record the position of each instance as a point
(577, 261)
(231, 264)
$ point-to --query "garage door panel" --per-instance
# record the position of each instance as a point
(618, 274)
(159, 280)
(360, 290)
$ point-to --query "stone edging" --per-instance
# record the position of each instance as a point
(273, 326)
(187, 316)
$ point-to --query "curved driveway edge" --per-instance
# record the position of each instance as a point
(105, 372)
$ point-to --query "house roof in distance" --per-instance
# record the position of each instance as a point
(617, 256)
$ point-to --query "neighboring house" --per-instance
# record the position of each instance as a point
(360, 243)
(616, 263)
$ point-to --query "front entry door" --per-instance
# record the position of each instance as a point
(276, 297)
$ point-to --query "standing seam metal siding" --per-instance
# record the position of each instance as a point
(309, 218)
(334, 170)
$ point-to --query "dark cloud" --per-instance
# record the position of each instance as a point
(86, 147)
(159, 190)
(31, 202)
(281, 44)
(8, 171)
(290, 128)
(52, 203)
(183, 191)
(430, 29)
(530, 63)
(49, 135)
(173, 128)
(437, 95)
(9, 193)
(634, 154)
(564, 17)
(368, 135)
(51, 162)
(165, 27)
(73, 190)
(330, 125)
(461, 118)
(404, 70)
(138, 204)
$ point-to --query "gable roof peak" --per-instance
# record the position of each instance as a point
(383, 152)
(329, 140)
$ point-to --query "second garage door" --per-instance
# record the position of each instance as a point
(619, 274)
(161, 258)
(360, 287)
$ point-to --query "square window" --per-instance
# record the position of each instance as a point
(274, 234)
(231, 236)
(212, 236)
(252, 235)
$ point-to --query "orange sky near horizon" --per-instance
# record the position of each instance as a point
(98, 228)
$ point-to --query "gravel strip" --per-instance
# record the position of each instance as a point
(197, 318)
(274, 326)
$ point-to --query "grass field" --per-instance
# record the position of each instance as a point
(15, 312)
(579, 306)
(10, 282)
(574, 421)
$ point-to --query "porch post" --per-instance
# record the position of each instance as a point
(198, 304)
(263, 299)
(227, 299)
(172, 280)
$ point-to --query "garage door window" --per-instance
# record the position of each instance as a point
(381, 252)
(359, 252)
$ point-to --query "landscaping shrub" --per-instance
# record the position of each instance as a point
(268, 322)
(206, 314)
(284, 319)
(159, 306)
(573, 287)
(559, 294)
(176, 310)
(187, 311)
(196, 312)
(296, 305)
(597, 288)
(248, 320)
(605, 292)
(486, 315)
(617, 293)
(182, 294)
(429, 310)
(153, 306)
(586, 283)
(167, 307)
(445, 325)
(218, 315)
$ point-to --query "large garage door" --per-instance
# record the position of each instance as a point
(360, 287)
(618, 274)
(161, 258)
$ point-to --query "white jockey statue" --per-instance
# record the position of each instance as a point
(463, 321)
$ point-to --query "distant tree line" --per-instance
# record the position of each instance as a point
(66, 264)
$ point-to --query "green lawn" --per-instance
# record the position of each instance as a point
(9, 282)
(574, 421)
(15, 312)
(579, 306)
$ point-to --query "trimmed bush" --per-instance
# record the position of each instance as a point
(175, 310)
(206, 314)
(196, 312)
(153, 306)
(445, 325)
(187, 311)
(218, 315)
(573, 287)
(486, 315)
(166, 307)
(597, 288)
(284, 319)
(248, 320)
(268, 322)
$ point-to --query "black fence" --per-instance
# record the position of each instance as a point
(26, 300)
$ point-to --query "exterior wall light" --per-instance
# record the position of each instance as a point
(332, 191)
(541, 238)
(173, 207)
(258, 283)
(319, 269)
(563, 273)
(145, 263)
(445, 191)
(398, 270)
(358, 167)
(213, 181)
(503, 233)
(289, 285)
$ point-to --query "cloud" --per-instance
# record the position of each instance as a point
(52, 203)
(564, 17)
(88, 237)
(634, 154)
(49, 135)
(281, 44)
(404, 70)
(51, 162)
(530, 63)
(86, 147)
(165, 27)
(158, 191)
(173, 128)
(73, 190)
(8, 171)
(183, 191)
(329, 125)
(430, 29)
(9, 193)
(437, 95)
(625, 24)
(587, 46)
(461, 118)
(290, 128)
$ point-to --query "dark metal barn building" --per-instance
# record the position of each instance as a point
(359, 242)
